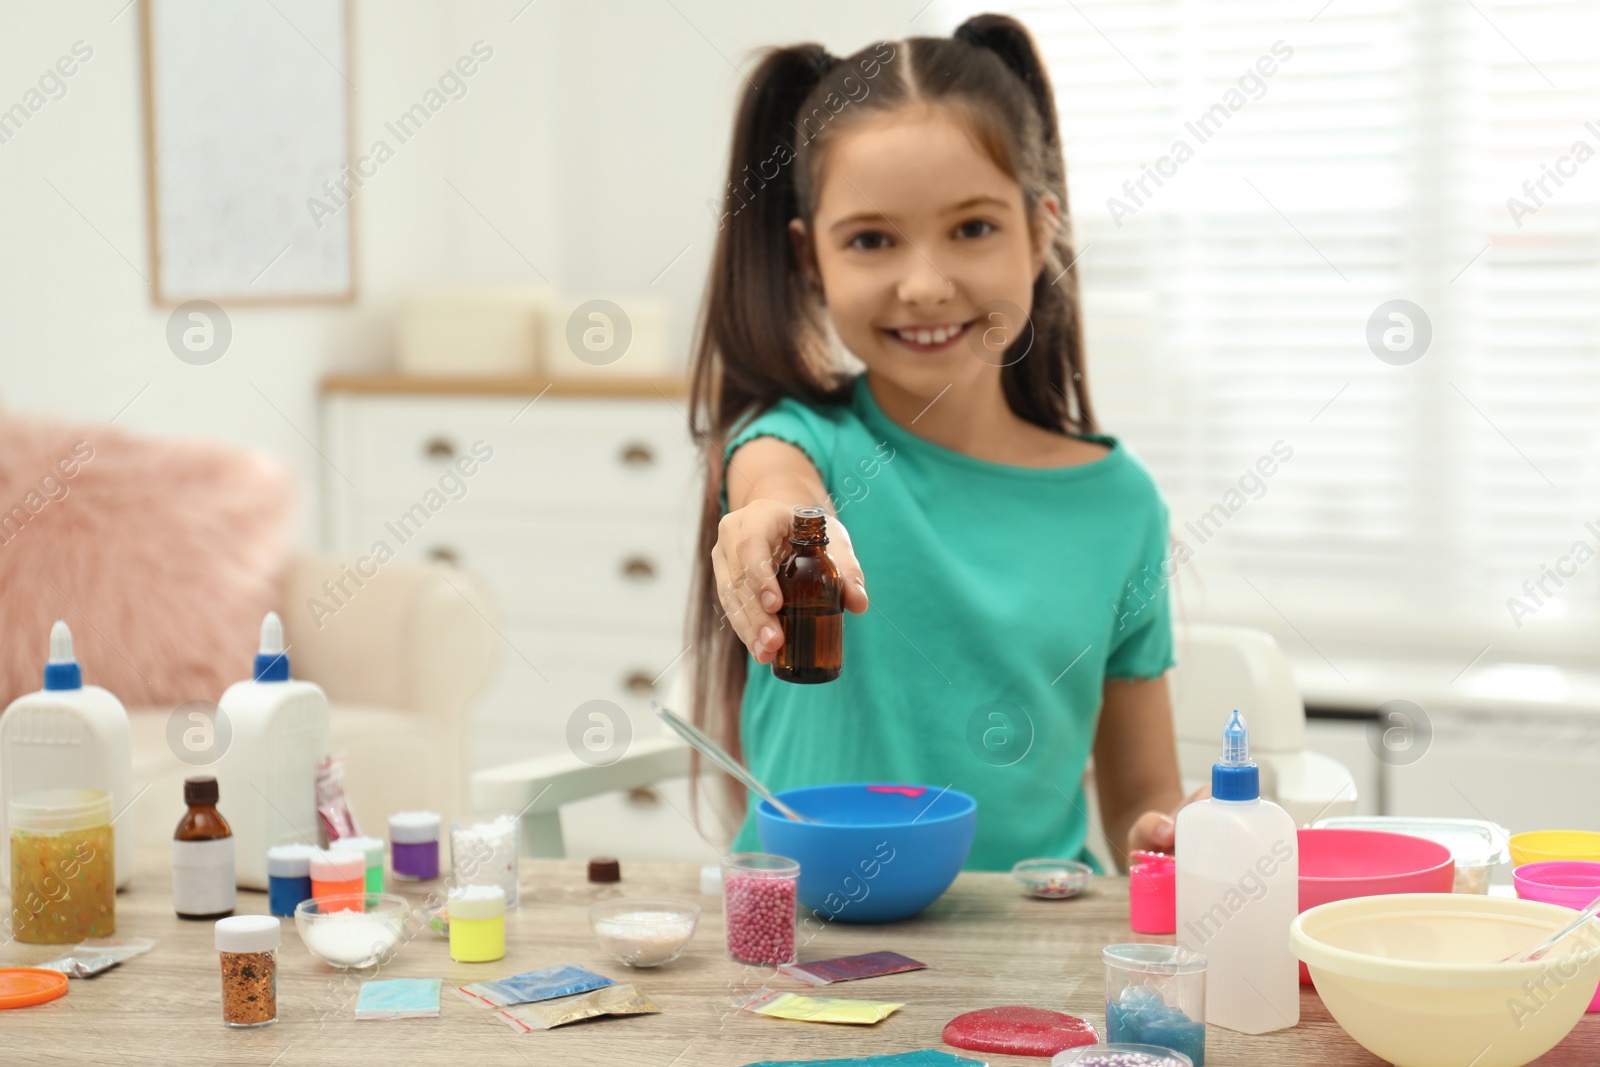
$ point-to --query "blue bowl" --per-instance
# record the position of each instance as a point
(877, 852)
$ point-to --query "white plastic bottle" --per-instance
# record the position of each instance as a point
(1238, 873)
(280, 733)
(68, 736)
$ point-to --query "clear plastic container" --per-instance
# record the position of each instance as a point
(63, 866)
(1156, 995)
(484, 851)
(248, 945)
(758, 895)
(1478, 846)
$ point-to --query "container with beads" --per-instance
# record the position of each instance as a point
(758, 892)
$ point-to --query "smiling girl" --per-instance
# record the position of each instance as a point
(892, 332)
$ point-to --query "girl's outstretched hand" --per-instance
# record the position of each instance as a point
(1155, 831)
(744, 561)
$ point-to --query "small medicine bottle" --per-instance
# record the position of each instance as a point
(414, 845)
(477, 923)
(812, 613)
(248, 945)
(203, 880)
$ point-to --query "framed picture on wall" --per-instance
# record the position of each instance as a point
(247, 136)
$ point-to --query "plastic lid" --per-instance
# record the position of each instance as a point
(414, 827)
(272, 664)
(371, 848)
(339, 866)
(23, 987)
(54, 811)
(605, 870)
(202, 790)
(1235, 776)
(477, 902)
(248, 933)
(289, 861)
(1472, 842)
(1153, 959)
(61, 670)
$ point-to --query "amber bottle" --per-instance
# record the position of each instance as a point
(203, 873)
(812, 614)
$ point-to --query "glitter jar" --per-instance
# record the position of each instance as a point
(63, 877)
(1156, 995)
(288, 877)
(249, 948)
(477, 923)
(483, 851)
(337, 873)
(371, 849)
(758, 895)
(414, 845)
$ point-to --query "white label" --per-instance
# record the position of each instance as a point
(203, 877)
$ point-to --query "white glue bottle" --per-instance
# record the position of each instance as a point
(68, 736)
(279, 733)
(1238, 873)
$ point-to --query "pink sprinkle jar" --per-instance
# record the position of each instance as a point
(758, 895)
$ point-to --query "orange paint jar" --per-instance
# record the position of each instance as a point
(338, 873)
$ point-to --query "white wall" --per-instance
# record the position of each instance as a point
(590, 142)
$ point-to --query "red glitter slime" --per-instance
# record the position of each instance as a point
(760, 914)
(1019, 1031)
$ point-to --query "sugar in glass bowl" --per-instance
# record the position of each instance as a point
(643, 932)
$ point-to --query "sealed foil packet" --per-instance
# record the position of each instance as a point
(89, 958)
(611, 1000)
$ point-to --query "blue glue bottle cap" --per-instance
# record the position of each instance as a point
(1235, 776)
(272, 663)
(61, 670)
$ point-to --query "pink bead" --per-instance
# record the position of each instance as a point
(760, 915)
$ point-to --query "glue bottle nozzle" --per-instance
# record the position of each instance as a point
(61, 670)
(272, 664)
(60, 643)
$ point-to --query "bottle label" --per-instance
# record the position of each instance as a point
(203, 880)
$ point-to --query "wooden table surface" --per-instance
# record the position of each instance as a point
(985, 944)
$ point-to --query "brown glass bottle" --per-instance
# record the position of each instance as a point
(203, 873)
(812, 614)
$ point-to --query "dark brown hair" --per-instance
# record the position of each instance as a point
(762, 333)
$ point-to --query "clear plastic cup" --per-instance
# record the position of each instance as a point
(1156, 995)
(484, 850)
(758, 896)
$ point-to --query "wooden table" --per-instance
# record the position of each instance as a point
(984, 942)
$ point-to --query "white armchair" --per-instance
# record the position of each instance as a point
(402, 661)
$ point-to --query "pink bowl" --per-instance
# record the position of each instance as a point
(1571, 883)
(1340, 864)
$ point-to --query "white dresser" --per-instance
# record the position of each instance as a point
(575, 502)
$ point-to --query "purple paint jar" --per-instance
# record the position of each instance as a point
(414, 845)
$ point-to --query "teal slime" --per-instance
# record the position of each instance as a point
(1141, 1017)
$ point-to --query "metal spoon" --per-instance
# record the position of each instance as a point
(1538, 951)
(719, 755)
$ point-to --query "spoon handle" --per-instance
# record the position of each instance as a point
(1538, 951)
(719, 755)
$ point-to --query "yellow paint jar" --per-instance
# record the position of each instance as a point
(477, 923)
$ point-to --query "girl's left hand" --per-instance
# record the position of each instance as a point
(1155, 831)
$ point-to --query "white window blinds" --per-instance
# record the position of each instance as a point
(1250, 182)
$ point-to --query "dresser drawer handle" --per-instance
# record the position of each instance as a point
(638, 454)
(638, 568)
(639, 683)
(441, 554)
(440, 448)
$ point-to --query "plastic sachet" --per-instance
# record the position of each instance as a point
(818, 1009)
(562, 980)
(849, 968)
(399, 998)
(89, 958)
(609, 1000)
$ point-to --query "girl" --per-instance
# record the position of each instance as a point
(908, 203)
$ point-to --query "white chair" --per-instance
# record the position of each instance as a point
(1220, 668)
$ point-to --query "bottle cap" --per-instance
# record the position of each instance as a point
(289, 861)
(604, 869)
(272, 663)
(337, 866)
(414, 827)
(477, 902)
(61, 670)
(1235, 776)
(202, 790)
(371, 848)
(55, 811)
(247, 933)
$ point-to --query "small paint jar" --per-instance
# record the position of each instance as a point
(1153, 893)
(414, 845)
(249, 948)
(336, 873)
(288, 877)
(477, 923)
(758, 895)
(371, 849)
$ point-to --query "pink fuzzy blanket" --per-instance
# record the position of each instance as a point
(161, 554)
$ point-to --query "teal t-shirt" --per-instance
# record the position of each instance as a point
(1001, 599)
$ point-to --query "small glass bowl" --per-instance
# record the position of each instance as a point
(1053, 879)
(353, 929)
(643, 932)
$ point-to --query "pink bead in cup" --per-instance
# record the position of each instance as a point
(758, 895)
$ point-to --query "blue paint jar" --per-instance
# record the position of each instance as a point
(288, 877)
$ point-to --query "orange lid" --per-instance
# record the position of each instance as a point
(22, 987)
